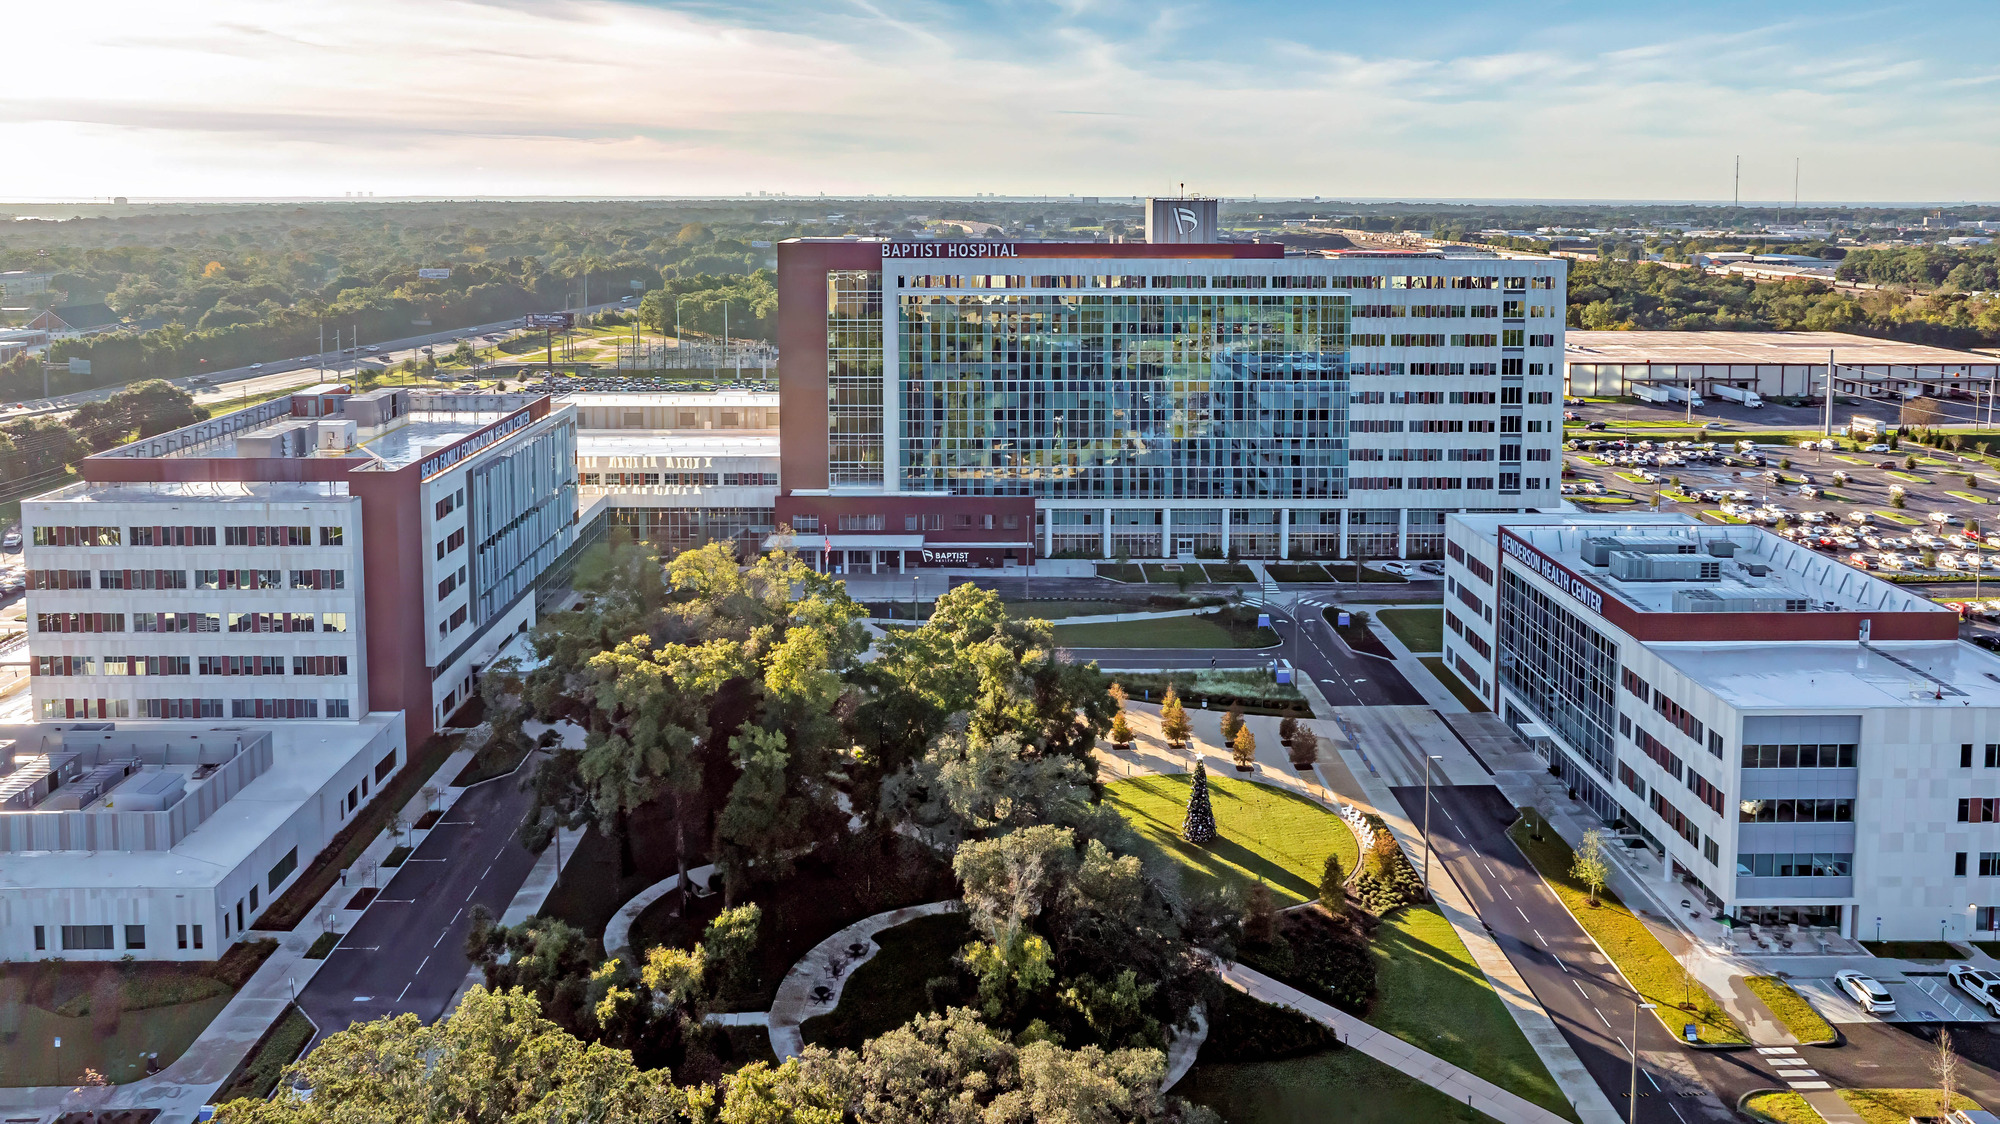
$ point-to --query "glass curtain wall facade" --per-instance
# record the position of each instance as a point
(1566, 673)
(523, 517)
(854, 378)
(1109, 395)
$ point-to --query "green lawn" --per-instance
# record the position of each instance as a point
(1639, 955)
(1058, 609)
(1163, 632)
(1420, 630)
(1910, 476)
(1158, 572)
(1344, 1085)
(1899, 517)
(1128, 572)
(1968, 497)
(1262, 833)
(1454, 684)
(889, 990)
(280, 1047)
(1897, 1106)
(1297, 572)
(1430, 994)
(1806, 1024)
(1611, 498)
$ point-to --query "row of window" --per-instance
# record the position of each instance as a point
(1421, 455)
(1675, 819)
(1506, 482)
(1221, 281)
(1796, 810)
(184, 665)
(1506, 366)
(1798, 756)
(194, 708)
(1990, 760)
(178, 579)
(1989, 864)
(185, 536)
(191, 622)
(1822, 865)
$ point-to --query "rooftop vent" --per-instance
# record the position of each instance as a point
(1721, 548)
(1633, 566)
(1737, 601)
(1596, 551)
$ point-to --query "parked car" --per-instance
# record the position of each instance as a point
(1595, 425)
(256, 366)
(11, 540)
(1403, 569)
(1869, 995)
(1979, 983)
(1878, 449)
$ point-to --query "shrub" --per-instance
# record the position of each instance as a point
(1288, 726)
(1387, 881)
(1305, 747)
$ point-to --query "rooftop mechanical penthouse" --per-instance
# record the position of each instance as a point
(318, 556)
(988, 403)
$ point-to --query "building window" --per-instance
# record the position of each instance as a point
(197, 936)
(1989, 864)
(805, 524)
(85, 937)
(385, 766)
(283, 870)
(135, 936)
(1965, 756)
(180, 936)
(41, 938)
(1958, 864)
(337, 708)
(1711, 852)
(331, 536)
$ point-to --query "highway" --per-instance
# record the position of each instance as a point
(277, 374)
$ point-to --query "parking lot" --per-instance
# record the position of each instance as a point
(1920, 998)
(1843, 500)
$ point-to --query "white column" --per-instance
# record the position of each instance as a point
(1343, 534)
(1225, 532)
(1285, 533)
(1167, 532)
(1107, 532)
(1048, 532)
(1402, 532)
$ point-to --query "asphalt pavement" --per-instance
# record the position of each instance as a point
(1592, 1005)
(406, 953)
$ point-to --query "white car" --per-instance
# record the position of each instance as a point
(1401, 568)
(256, 366)
(1861, 987)
(1878, 448)
(11, 540)
(1979, 983)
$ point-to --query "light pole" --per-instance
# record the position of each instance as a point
(1427, 819)
(1632, 1110)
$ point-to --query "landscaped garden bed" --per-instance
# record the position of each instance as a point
(1791, 1009)
(1254, 691)
(1223, 628)
(1458, 687)
(281, 1045)
(893, 987)
(1356, 634)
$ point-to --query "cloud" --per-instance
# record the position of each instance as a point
(444, 97)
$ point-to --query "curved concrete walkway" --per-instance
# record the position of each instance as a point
(618, 931)
(1458, 1084)
(828, 963)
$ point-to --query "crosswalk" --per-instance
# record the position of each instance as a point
(1792, 1069)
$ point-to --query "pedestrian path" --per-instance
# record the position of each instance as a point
(1792, 1068)
(813, 985)
(1459, 1084)
(618, 931)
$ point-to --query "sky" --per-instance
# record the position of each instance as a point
(1405, 99)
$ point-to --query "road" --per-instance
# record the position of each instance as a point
(1343, 676)
(1592, 1004)
(276, 374)
(406, 954)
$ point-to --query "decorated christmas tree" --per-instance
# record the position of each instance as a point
(1199, 828)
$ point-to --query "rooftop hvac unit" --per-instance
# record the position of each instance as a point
(1632, 566)
(1721, 548)
(336, 435)
(1736, 601)
(1596, 551)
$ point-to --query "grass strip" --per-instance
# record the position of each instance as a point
(1899, 517)
(322, 945)
(1898, 1106)
(1431, 994)
(280, 1047)
(1639, 955)
(1297, 572)
(1458, 687)
(1164, 632)
(493, 759)
(1783, 1108)
(1968, 497)
(1420, 630)
(1806, 1024)
(1913, 950)
(344, 849)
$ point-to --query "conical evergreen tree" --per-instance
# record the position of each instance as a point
(1199, 828)
(1174, 725)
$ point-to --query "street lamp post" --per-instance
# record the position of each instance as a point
(1427, 819)
(1632, 1109)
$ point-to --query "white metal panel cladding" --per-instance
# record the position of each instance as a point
(523, 516)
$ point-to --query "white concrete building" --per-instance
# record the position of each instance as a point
(164, 841)
(679, 469)
(1801, 741)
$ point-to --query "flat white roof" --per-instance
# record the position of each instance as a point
(305, 756)
(1840, 675)
(199, 491)
(1789, 570)
(1750, 348)
(767, 398)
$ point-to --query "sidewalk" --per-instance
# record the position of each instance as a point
(1460, 1085)
(194, 1077)
(1366, 788)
